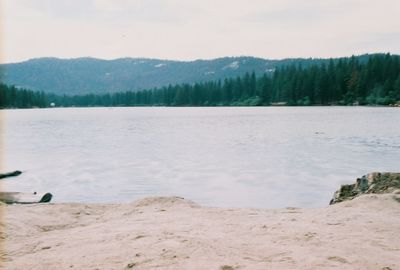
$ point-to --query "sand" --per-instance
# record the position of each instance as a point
(173, 233)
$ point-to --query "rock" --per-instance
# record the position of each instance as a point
(226, 267)
(10, 174)
(130, 265)
(371, 183)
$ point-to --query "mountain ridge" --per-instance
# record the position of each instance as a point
(85, 75)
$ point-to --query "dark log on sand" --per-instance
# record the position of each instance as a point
(25, 198)
(10, 174)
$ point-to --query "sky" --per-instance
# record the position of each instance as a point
(197, 29)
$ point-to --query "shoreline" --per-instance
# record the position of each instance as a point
(174, 233)
(264, 106)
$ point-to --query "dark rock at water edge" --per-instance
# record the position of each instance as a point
(375, 182)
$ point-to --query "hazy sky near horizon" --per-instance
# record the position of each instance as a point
(188, 30)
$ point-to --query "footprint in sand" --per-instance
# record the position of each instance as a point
(309, 235)
(226, 267)
(337, 259)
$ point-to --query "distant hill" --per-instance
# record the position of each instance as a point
(91, 75)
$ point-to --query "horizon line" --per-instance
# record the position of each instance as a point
(188, 61)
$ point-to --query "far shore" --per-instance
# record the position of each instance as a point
(260, 106)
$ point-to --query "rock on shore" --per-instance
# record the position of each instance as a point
(375, 182)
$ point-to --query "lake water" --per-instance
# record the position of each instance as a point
(235, 157)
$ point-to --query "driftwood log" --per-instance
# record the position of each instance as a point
(22, 197)
(10, 174)
(25, 198)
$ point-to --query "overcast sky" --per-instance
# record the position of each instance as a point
(193, 29)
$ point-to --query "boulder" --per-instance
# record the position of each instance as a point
(375, 182)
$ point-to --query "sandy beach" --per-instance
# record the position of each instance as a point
(174, 233)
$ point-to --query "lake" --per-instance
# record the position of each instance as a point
(219, 156)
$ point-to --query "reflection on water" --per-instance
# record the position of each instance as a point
(239, 157)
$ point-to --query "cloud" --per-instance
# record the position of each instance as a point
(52, 9)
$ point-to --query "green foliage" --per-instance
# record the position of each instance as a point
(348, 99)
(386, 100)
(305, 101)
(253, 101)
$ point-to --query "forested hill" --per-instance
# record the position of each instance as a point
(347, 81)
(90, 75)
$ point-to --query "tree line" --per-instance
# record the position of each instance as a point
(343, 81)
(13, 97)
